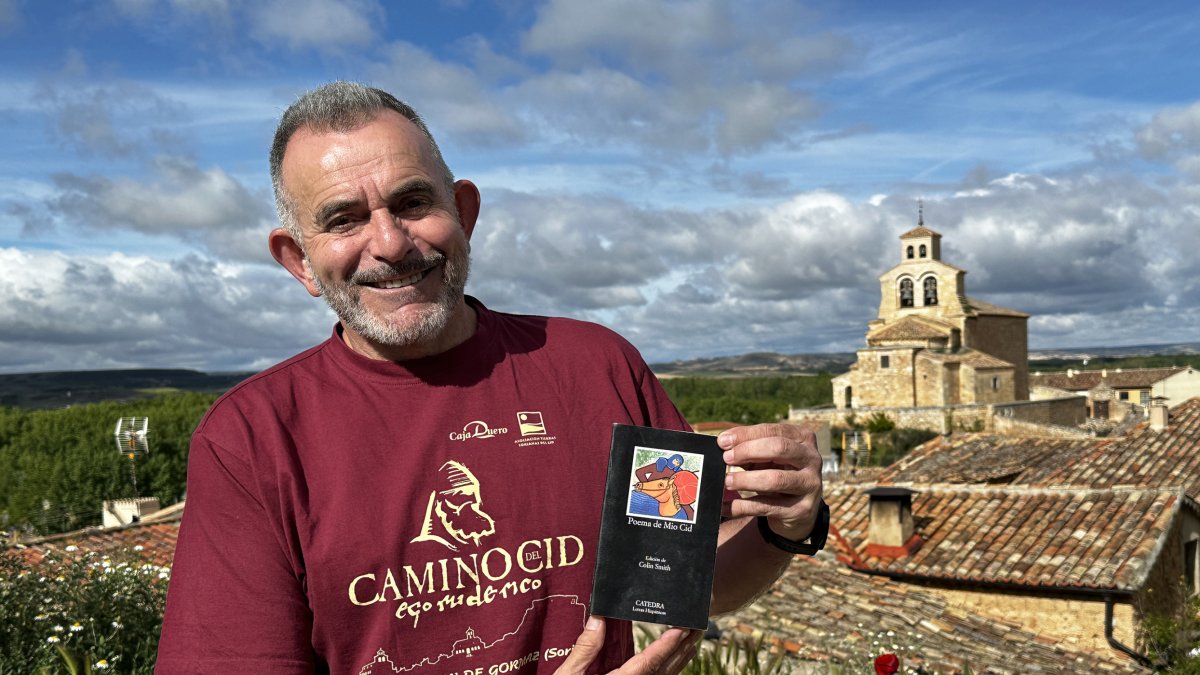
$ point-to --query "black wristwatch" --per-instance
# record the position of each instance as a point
(809, 546)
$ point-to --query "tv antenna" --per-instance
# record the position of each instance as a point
(130, 434)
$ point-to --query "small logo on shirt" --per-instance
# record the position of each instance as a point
(531, 424)
(477, 429)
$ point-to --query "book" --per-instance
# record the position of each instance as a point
(658, 528)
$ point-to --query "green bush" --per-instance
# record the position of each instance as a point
(745, 400)
(57, 466)
(879, 422)
(1171, 640)
(103, 612)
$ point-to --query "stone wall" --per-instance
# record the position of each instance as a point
(1039, 418)
(877, 385)
(934, 418)
(1065, 411)
(1164, 589)
(1079, 621)
(1005, 337)
(1011, 427)
(977, 385)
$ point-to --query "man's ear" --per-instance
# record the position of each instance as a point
(467, 200)
(288, 253)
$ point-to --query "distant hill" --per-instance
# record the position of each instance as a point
(58, 389)
(1078, 354)
(63, 388)
(756, 364)
(770, 363)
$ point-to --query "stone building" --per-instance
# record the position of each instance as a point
(1111, 394)
(931, 345)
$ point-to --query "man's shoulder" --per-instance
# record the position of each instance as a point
(559, 334)
(263, 387)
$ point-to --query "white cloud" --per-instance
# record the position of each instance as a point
(449, 96)
(640, 33)
(115, 311)
(202, 206)
(327, 25)
(95, 115)
(1173, 130)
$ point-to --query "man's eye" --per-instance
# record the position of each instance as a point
(413, 206)
(340, 223)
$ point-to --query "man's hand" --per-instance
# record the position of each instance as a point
(782, 466)
(665, 656)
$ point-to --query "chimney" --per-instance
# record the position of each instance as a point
(118, 512)
(1159, 414)
(890, 533)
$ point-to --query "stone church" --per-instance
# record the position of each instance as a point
(932, 345)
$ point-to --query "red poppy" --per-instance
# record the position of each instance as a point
(887, 664)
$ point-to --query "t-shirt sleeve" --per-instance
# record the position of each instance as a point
(662, 411)
(235, 601)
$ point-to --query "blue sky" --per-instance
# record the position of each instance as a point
(705, 177)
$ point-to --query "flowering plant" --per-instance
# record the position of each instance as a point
(84, 612)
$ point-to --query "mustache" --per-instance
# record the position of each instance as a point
(403, 268)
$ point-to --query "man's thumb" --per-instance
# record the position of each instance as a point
(587, 647)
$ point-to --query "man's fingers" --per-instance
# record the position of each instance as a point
(786, 444)
(738, 435)
(587, 647)
(667, 655)
(684, 655)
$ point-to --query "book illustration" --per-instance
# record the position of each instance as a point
(665, 484)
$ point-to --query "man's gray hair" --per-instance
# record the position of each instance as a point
(336, 107)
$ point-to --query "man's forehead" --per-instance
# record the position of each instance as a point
(314, 153)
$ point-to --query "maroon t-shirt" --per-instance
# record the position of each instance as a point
(438, 515)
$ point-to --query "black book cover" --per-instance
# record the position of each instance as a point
(658, 531)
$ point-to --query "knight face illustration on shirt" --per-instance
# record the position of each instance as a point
(454, 515)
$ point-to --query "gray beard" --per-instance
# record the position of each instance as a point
(344, 300)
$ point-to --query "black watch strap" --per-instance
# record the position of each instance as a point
(809, 546)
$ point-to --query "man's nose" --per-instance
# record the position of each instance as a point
(389, 238)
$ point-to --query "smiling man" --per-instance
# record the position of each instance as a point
(421, 491)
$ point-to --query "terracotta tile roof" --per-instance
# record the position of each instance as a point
(1101, 539)
(1082, 380)
(157, 542)
(982, 458)
(967, 356)
(820, 610)
(920, 231)
(911, 328)
(1144, 458)
(980, 307)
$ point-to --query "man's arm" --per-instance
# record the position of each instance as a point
(782, 470)
(234, 603)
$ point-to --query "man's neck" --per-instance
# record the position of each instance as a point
(458, 329)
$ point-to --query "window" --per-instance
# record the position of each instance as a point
(931, 291)
(1123, 395)
(910, 253)
(1145, 398)
(1100, 410)
(906, 293)
(922, 250)
(885, 361)
(1189, 564)
(995, 383)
